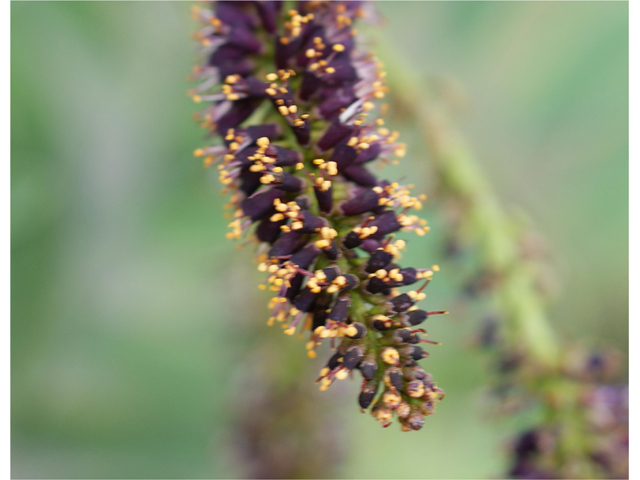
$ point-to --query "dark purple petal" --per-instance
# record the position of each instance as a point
(255, 88)
(269, 231)
(376, 285)
(296, 284)
(311, 223)
(286, 157)
(285, 51)
(239, 66)
(250, 181)
(232, 13)
(352, 240)
(340, 309)
(304, 301)
(334, 100)
(368, 154)
(269, 130)
(325, 199)
(332, 272)
(302, 132)
(395, 378)
(240, 110)
(417, 353)
(368, 368)
(304, 202)
(409, 276)
(335, 361)
(367, 201)
(285, 245)
(261, 204)
(370, 245)
(242, 157)
(268, 12)
(287, 182)
(302, 61)
(353, 357)
(380, 259)
(242, 37)
(226, 53)
(352, 282)
(310, 85)
(332, 252)
(401, 303)
(360, 175)
(343, 155)
(319, 318)
(303, 258)
(367, 394)
(387, 222)
(344, 71)
(416, 317)
(335, 133)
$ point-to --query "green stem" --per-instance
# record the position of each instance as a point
(485, 220)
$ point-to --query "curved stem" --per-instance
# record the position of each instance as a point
(460, 176)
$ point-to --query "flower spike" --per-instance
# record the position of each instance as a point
(292, 102)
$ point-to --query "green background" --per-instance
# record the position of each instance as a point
(134, 319)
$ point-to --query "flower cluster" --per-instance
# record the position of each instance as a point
(542, 452)
(292, 102)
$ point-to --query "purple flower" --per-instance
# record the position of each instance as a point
(292, 103)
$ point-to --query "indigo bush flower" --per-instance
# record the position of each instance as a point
(542, 452)
(292, 102)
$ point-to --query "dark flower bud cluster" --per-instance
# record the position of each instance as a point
(292, 102)
(603, 452)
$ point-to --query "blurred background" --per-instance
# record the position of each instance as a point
(138, 333)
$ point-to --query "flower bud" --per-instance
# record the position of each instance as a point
(415, 421)
(353, 357)
(368, 367)
(401, 303)
(416, 317)
(367, 394)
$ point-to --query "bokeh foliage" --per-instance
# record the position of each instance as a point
(132, 316)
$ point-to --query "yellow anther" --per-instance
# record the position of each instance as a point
(390, 355)
(267, 179)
